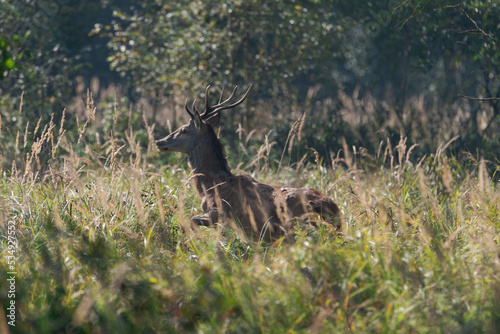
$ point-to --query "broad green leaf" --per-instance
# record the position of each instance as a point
(9, 63)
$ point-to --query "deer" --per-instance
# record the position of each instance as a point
(263, 211)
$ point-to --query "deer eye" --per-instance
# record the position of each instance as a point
(184, 131)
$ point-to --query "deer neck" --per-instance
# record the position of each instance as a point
(209, 165)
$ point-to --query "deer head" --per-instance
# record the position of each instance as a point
(191, 134)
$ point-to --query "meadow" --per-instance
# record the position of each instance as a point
(105, 244)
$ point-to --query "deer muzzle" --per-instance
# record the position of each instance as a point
(162, 146)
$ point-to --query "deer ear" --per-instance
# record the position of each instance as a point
(213, 120)
(197, 120)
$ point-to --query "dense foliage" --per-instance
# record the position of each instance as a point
(105, 245)
(417, 63)
(392, 108)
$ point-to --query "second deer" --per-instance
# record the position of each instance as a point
(262, 210)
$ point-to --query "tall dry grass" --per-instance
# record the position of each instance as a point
(106, 244)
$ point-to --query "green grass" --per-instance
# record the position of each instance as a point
(105, 246)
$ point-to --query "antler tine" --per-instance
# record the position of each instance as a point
(187, 109)
(194, 106)
(224, 107)
(206, 98)
(222, 94)
(210, 109)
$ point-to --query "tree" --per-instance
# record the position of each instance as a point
(281, 47)
(467, 34)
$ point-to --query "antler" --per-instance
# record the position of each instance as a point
(211, 110)
(208, 108)
(191, 111)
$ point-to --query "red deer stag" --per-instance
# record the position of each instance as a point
(262, 210)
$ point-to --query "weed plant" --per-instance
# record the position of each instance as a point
(105, 243)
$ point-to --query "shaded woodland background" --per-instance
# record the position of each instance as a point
(391, 108)
(326, 73)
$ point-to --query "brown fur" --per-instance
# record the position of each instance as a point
(261, 210)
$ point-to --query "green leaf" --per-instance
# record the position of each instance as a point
(9, 63)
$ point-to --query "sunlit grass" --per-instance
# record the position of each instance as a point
(106, 246)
